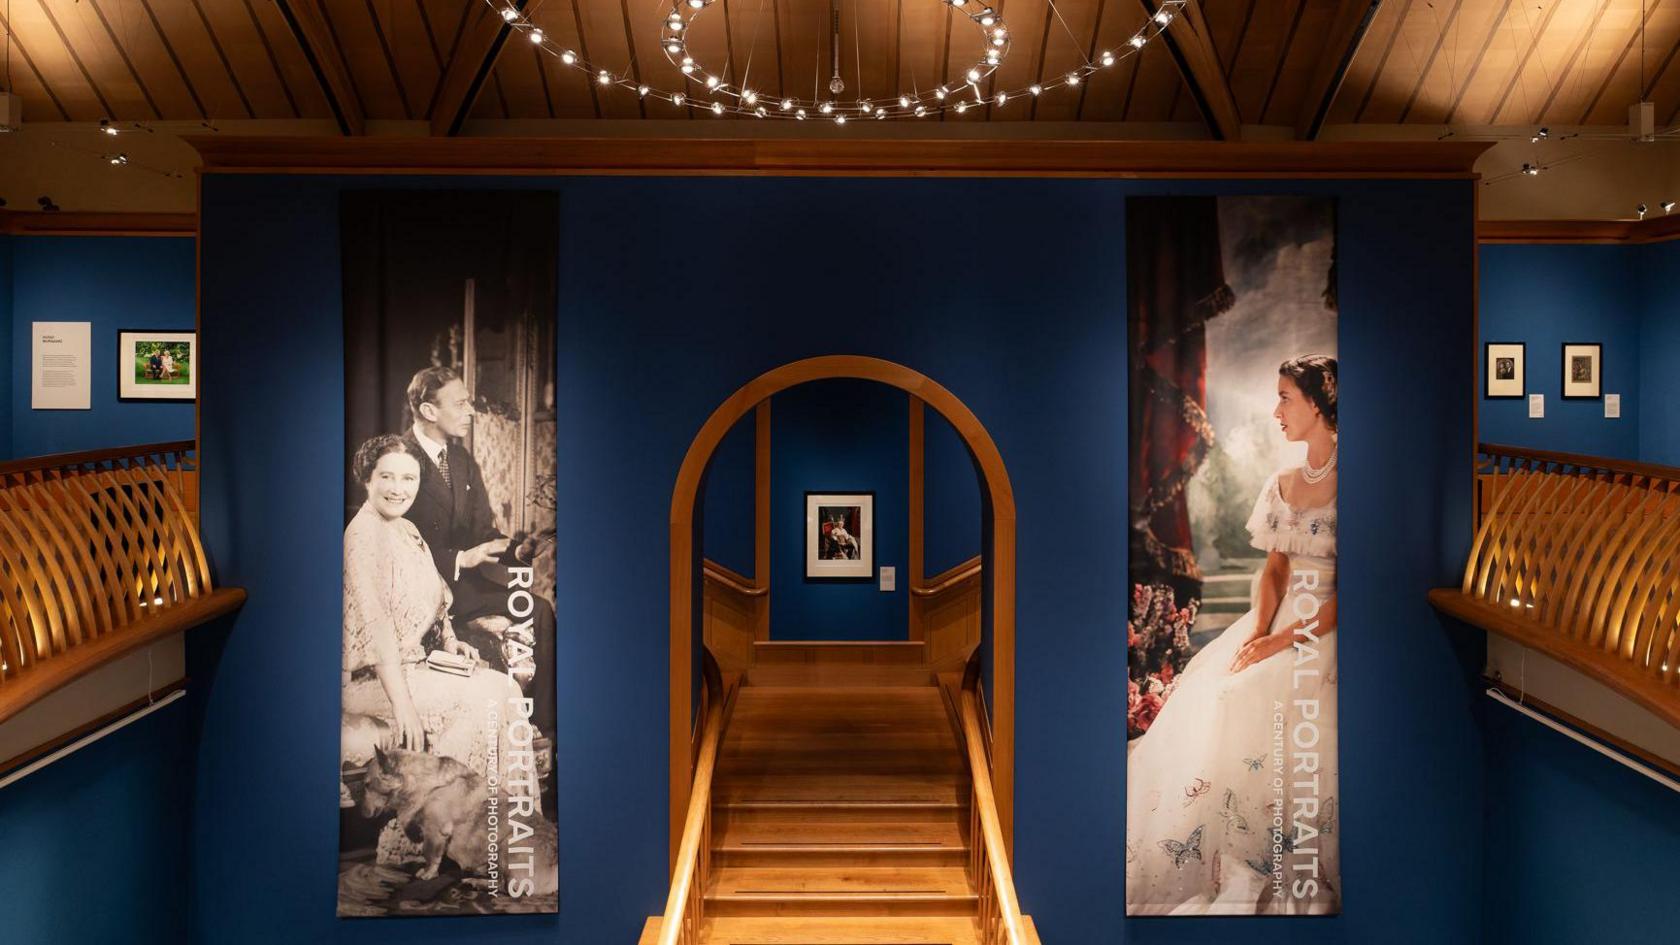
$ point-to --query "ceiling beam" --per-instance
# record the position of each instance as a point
(308, 23)
(1341, 44)
(469, 67)
(1191, 45)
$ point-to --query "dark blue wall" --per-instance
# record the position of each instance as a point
(114, 282)
(6, 346)
(728, 511)
(1659, 355)
(93, 848)
(1545, 296)
(1034, 350)
(838, 436)
(950, 497)
(1586, 849)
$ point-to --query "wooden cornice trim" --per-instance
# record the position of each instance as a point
(79, 223)
(469, 68)
(1341, 44)
(308, 23)
(1626, 232)
(1191, 45)
(1645, 689)
(226, 154)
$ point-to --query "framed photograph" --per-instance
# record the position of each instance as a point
(1583, 370)
(839, 536)
(1504, 370)
(157, 365)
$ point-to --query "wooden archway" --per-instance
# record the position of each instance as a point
(1000, 564)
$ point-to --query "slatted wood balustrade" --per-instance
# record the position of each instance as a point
(99, 555)
(1578, 557)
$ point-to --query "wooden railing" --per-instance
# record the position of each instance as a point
(1578, 557)
(681, 924)
(99, 555)
(945, 611)
(999, 920)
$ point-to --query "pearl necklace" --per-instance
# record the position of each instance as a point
(1316, 476)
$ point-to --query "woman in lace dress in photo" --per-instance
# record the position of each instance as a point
(395, 603)
(1205, 781)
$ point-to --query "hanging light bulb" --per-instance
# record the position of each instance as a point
(987, 17)
(1073, 78)
(1164, 16)
(509, 14)
(536, 37)
(717, 108)
(1002, 98)
(974, 75)
(1036, 89)
(904, 101)
(678, 99)
(940, 92)
(787, 103)
(1137, 41)
(750, 97)
(1107, 58)
(642, 90)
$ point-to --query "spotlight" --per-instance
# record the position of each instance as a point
(1073, 78)
(987, 17)
(904, 101)
(1107, 58)
(678, 99)
(1667, 206)
(717, 108)
(974, 75)
(1036, 89)
(120, 159)
(509, 14)
(536, 38)
(1164, 17)
(46, 203)
(787, 103)
(1540, 136)
(568, 57)
(1530, 170)
(642, 90)
(1641, 210)
(605, 78)
(1137, 41)
(106, 126)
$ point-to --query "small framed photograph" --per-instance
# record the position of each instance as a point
(839, 536)
(1505, 370)
(157, 365)
(1583, 370)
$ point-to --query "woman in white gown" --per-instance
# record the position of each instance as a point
(1231, 793)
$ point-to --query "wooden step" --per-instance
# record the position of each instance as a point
(834, 930)
(840, 788)
(839, 663)
(839, 843)
(840, 891)
(793, 813)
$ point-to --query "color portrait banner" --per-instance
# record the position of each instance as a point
(1231, 763)
(447, 791)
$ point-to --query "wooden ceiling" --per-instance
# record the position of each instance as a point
(1298, 63)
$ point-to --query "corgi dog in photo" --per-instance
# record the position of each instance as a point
(438, 801)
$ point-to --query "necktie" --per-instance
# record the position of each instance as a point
(443, 465)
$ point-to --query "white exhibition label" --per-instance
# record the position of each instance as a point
(889, 578)
(1536, 406)
(1612, 406)
(60, 377)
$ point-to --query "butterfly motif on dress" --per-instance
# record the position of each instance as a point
(1255, 763)
(1181, 853)
(1196, 788)
(1233, 820)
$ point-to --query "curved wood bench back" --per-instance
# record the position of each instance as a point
(99, 554)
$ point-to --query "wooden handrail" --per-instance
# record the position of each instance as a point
(681, 924)
(1000, 914)
(945, 580)
(1578, 557)
(738, 583)
(99, 555)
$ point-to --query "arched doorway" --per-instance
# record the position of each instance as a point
(999, 502)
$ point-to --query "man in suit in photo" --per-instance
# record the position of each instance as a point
(451, 510)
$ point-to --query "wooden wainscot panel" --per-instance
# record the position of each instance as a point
(950, 613)
(732, 604)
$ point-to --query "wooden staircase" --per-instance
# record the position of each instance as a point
(841, 806)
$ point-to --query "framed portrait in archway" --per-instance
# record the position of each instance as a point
(839, 536)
